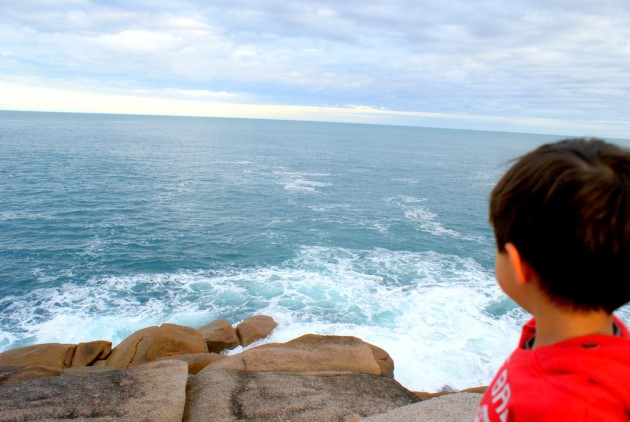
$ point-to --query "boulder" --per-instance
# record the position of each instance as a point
(426, 396)
(312, 354)
(153, 392)
(384, 361)
(228, 395)
(13, 374)
(54, 355)
(255, 328)
(455, 407)
(152, 343)
(197, 361)
(84, 370)
(220, 335)
(86, 353)
(479, 390)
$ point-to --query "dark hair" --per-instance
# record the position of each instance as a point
(566, 208)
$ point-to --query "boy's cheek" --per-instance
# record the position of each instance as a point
(502, 270)
(506, 277)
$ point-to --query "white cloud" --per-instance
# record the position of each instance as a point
(560, 61)
(30, 96)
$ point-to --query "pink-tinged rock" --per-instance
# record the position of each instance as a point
(228, 395)
(87, 353)
(152, 343)
(314, 355)
(153, 392)
(219, 335)
(255, 328)
(15, 374)
(54, 355)
(196, 361)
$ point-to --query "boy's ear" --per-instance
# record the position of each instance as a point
(522, 270)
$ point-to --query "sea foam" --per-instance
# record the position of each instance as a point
(429, 311)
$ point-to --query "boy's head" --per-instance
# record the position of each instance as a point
(566, 209)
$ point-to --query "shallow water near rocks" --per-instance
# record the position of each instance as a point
(109, 224)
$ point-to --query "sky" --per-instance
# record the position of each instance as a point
(540, 66)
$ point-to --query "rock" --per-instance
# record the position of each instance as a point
(219, 336)
(385, 362)
(423, 395)
(255, 328)
(13, 374)
(426, 396)
(153, 392)
(197, 361)
(479, 390)
(228, 395)
(87, 353)
(455, 407)
(152, 343)
(54, 355)
(83, 370)
(312, 354)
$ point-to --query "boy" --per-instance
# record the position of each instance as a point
(561, 218)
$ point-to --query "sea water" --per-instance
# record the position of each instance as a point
(112, 223)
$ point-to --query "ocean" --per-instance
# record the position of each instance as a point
(111, 223)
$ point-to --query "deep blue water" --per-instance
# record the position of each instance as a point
(111, 223)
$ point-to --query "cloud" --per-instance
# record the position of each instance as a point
(562, 60)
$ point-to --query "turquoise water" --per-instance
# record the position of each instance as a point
(112, 223)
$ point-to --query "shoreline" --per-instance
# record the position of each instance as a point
(332, 362)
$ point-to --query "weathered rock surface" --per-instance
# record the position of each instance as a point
(86, 353)
(456, 407)
(197, 361)
(220, 335)
(13, 374)
(83, 370)
(55, 355)
(312, 353)
(152, 343)
(255, 328)
(153, 392)
(228, 395)
(426, 396)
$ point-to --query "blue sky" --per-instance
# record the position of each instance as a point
(552, 66)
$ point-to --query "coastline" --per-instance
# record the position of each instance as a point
(355, 377)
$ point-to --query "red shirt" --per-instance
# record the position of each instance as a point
(581, 379)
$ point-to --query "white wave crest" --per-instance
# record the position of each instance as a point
(427, 310)
(301, 182)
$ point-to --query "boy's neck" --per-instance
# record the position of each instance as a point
(555, 324)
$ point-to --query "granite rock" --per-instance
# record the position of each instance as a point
(313, 354)
(152, 343)
(56, 355)
(219, 336)
(153, 392)
(255, 328)
(229, 395)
